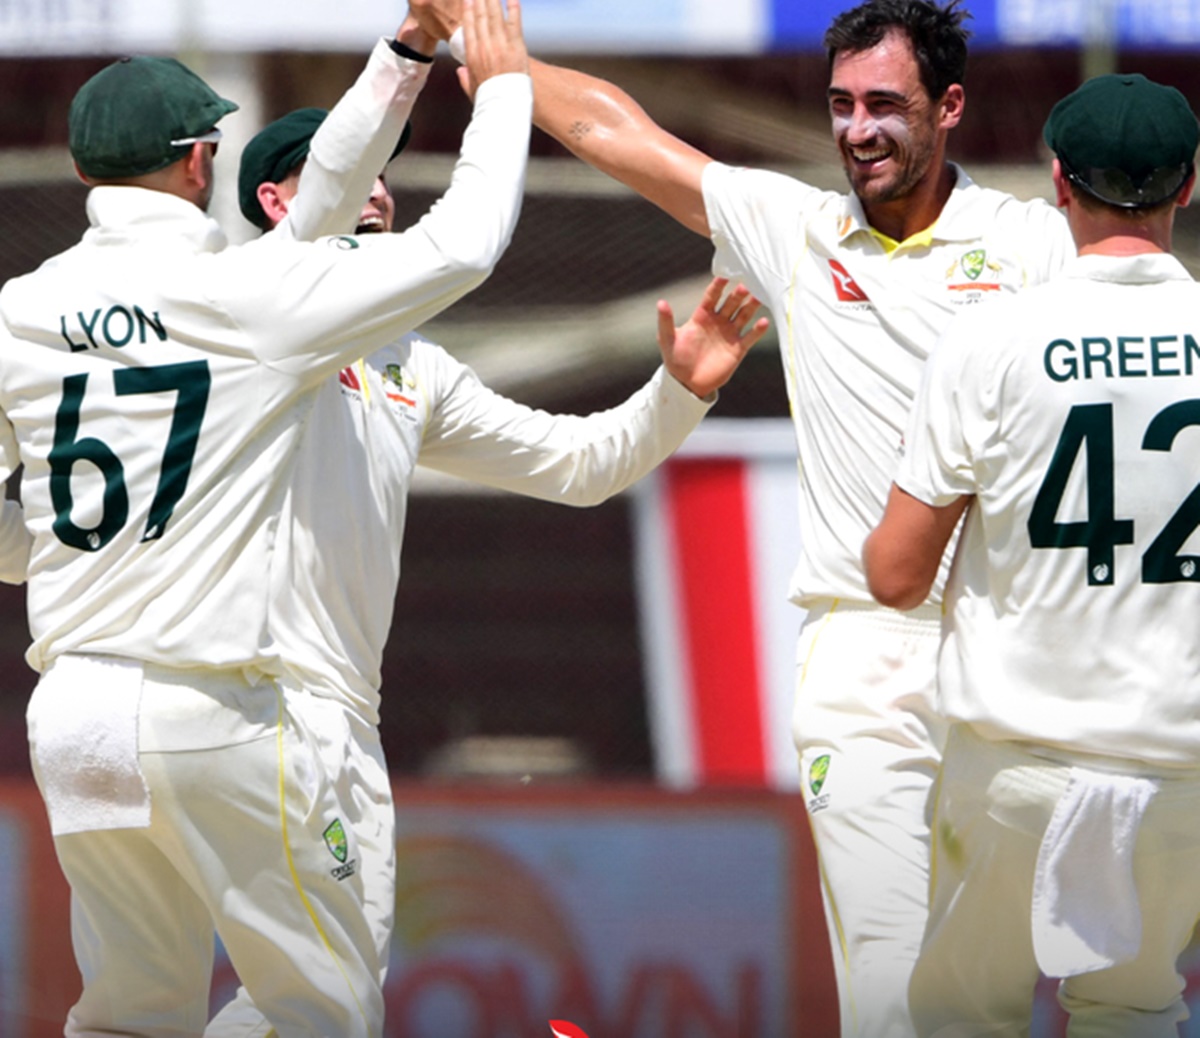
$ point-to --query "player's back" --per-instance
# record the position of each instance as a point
(1077, 586)
(155, 443)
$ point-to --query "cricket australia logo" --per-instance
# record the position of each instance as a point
(400, 387)
(339, 847)
(972, 266)
(972, 263)
(818, 772)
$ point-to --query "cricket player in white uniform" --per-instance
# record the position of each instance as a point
(412, 404)
(1065, 422)
(860, 285)
(154, 388)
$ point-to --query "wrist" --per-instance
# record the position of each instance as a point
(413, 42)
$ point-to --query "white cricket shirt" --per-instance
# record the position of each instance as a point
(1073, 413)
(156, 383)
(408, 404)
(855, 325)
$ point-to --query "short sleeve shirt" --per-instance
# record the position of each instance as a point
(1072, 413)
(856, 323)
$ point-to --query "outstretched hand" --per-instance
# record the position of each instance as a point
(493, 42)
(704, 353)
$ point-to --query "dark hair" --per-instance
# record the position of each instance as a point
(938, 37)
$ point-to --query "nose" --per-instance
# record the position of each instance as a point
(861, 125)
(378, 191)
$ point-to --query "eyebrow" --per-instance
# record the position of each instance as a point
(872, 95)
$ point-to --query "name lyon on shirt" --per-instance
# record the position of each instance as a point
(115, 326)
(1122, 356)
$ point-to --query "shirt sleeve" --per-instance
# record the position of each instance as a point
(353, 145)
(477, 434)
(936, 464)
(756, 219)
(310, 308)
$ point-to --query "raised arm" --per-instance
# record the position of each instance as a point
(357, 138)
(479, 435)
(341, 296)
(601, 124)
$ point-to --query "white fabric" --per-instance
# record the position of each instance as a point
(264, 324)
(855, 325)
(867, 769)
(353, 145)
(1085, 861)
(1112, 623)
(241, 837)
(978, 970)
(83, 734)
(411, 404)
(856, 322)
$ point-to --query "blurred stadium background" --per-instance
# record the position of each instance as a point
(519, 645)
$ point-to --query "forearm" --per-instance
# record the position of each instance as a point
(566, 459)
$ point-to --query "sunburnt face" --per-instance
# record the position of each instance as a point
(884, 123)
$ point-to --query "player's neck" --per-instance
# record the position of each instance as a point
(918, 209)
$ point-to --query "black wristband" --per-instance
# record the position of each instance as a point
(406, 51)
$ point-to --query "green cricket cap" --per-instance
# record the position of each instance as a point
(276, 150)
(129, 117)
(1124, 139)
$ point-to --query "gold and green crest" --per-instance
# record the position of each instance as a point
(335, 840)
(817, 772)
(973, 263)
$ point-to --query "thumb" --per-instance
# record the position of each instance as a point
(464, 80)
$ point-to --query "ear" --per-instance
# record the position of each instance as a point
(1062, 189)
(82, 175)
(953, 103)
(272, 201)
(1185, 196)
(198, 166)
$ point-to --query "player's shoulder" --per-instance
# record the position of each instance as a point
(1007, 211)
(771, 186)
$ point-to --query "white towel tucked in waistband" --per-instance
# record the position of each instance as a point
(1085, 906)
(83, 740)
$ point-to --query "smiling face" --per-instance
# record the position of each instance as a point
(377, 216)
(890, 133)
(379, 213)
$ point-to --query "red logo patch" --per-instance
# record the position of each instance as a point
(562, 1029)
(348, 377)
(845, 286)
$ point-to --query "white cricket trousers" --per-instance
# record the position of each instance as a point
(247, 837)
(351, 745)
(870, 743)
(977, 970)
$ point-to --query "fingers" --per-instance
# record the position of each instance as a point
(755, 333)
(712, 294)
(666, 325)
(514, 26)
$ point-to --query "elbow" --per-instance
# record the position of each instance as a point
(898, 594)
(892, 580)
